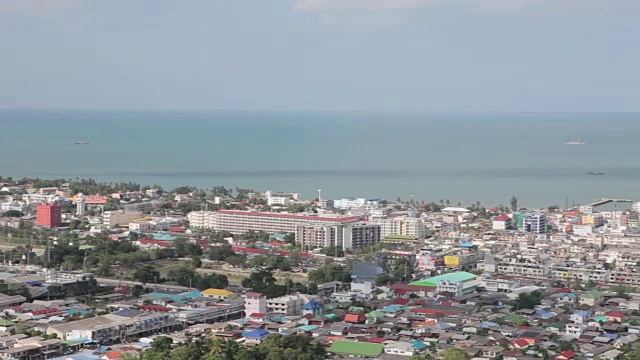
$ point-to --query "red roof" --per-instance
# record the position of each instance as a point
(434, 311)
(154, 242)
(377, 340)
(178, 229)
(249, 250)
(155, 308)
(400, 301)
(616, 314)
(502, 218)
(562, 290)
(569, 354)
(354, 318)
(258, 315)
(254, 294)
(276, 243)
(521, 343)
(47, 311)
(289, 216)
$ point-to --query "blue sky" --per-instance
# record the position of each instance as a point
(434, 55)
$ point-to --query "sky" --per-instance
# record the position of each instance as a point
(378, 55)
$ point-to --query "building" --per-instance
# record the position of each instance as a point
(402, 225)
(502, 222)
(49, 215)
(112, 219)
(345, 236)
(286, 305)
(255, 303)
(220, 294)
(239, 222)
(201, 219)
(349, 203)
(459, 283)
(80, 205)
(278, 200)
(535, 224)
(115, 327)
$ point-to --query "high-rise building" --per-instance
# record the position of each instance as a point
(49, 215)
(535, 224)
(80, 205)
(344, 236)
(401, 225)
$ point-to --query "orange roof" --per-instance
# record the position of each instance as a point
(114, 355)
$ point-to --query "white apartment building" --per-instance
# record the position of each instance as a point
(349, 203)
(238, 222)
(278, 200)
(201, 219)
(112, 219)
(287, 305)
(402, 225)
(345, 236)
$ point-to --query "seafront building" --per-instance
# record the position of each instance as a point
(239, 222)
(402, 225)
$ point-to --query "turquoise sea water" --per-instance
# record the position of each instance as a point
(466, 157)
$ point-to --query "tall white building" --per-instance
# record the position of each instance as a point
(344, 236)
(201, 219)
(277, 200)
(116, 218)
(349, 203)
(80, 205)
(401, 225)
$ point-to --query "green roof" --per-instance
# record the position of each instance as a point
(459, 276)
(356, 348)
(593, 294)
(5, 322)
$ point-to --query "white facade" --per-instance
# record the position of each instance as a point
(349, 203)
(404, 225)
(277, 200)
(287, 305)
(255, 303)
(201, 219)
(345, 236)
(80, 205)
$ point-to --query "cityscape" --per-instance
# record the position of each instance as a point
(117, 273)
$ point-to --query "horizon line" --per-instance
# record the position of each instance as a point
(323, 110)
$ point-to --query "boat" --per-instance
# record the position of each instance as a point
(595, 173)
(84, 142)
(576, 142)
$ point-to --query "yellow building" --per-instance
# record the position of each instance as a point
(217, 293)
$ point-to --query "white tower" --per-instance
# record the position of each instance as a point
(80, 205)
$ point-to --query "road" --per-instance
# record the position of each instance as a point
(117, 282)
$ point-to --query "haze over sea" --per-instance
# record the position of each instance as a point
(463, 157)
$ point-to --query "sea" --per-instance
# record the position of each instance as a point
(456, 157)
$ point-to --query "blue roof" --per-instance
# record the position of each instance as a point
(419, 344)
(257, 333)
(172, 297)
(488, 324)
(278, 236)
(391, 308)
(610, 336)
(307, 327)
(166, 237)
(583, 313)
(124, 312)
(312, 305)
(78, 357)
(192, 294)
(466, 245)
(104, 349)
(143, 344)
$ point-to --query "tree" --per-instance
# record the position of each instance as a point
(13, 213)
(528, 301)
(455, 354)
(161, 344)
(514, 203)
(402, 270)
(196, 262)
(146, 274)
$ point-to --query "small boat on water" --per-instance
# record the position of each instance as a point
(84, 142)
(576, 142)
(595, 173)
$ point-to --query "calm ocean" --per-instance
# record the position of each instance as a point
(463, 157)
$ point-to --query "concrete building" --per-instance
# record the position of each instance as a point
(255, 303)
(239, 222)
(502, 222)
(201, 219)
(402, 225)
(345, 236)
(349, 203)
(80, 205)
(287, 305)
(535, 224)
(278, 200)
(112, 219)
(49, 215)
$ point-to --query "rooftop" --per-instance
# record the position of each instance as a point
(460, 276)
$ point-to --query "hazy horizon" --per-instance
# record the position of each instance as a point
(321, 55)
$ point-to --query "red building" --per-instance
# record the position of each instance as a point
(49, 215)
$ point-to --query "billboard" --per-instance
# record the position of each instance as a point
(452, 261)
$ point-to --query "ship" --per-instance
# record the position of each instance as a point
(595, 173)
(576, 142)
(84, 142)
